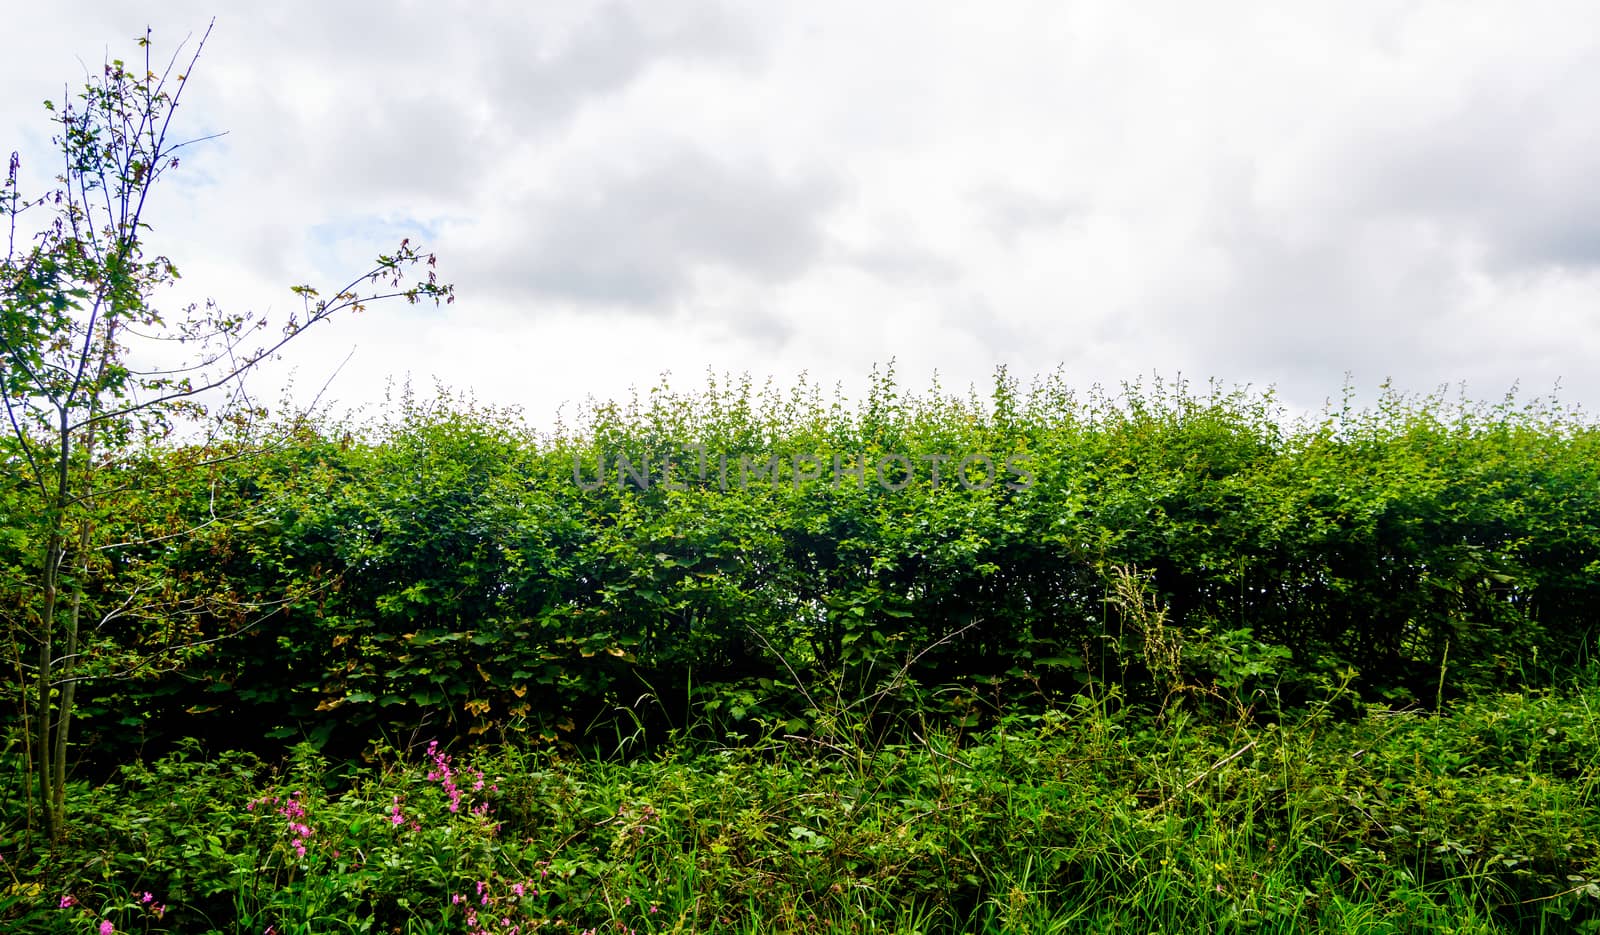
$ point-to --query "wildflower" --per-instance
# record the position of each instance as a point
(68, 901)
(146, 898)
(106, 928)
(517, 888)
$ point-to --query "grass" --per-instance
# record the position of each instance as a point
(1091, 818)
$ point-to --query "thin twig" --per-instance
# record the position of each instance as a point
(1208, 771)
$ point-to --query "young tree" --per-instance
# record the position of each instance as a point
(91, 368)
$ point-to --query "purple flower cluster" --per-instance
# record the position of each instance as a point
(497, 906)
(501, 913)
(294, 813)
(147, 901)
(446, 775)
(483, 908)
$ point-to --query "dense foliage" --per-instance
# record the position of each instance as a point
(451, 572)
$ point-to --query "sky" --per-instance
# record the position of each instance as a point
(1264, 194)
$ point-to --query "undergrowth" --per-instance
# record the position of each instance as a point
(1096, 816)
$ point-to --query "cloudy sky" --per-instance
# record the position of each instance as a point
(1264, 193)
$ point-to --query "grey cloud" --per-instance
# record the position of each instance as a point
(746, 324)
(397, 150)
(1374, 296)
(977, 317)
(1512, 168)
(431, 103)
(1378, 271)
(1009, 213)
(902, 263)
(534, 88)
(632, 237)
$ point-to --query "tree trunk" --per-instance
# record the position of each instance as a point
(42, 709)
(68, 693)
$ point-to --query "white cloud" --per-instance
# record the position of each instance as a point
(1233, 189)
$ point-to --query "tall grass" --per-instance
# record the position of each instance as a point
(1094, 816)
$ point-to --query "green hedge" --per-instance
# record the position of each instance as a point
(448, 567)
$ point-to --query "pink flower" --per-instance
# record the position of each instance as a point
(68, 901)
(147, 897)
(106, 928)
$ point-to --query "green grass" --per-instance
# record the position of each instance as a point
(1092, 818)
